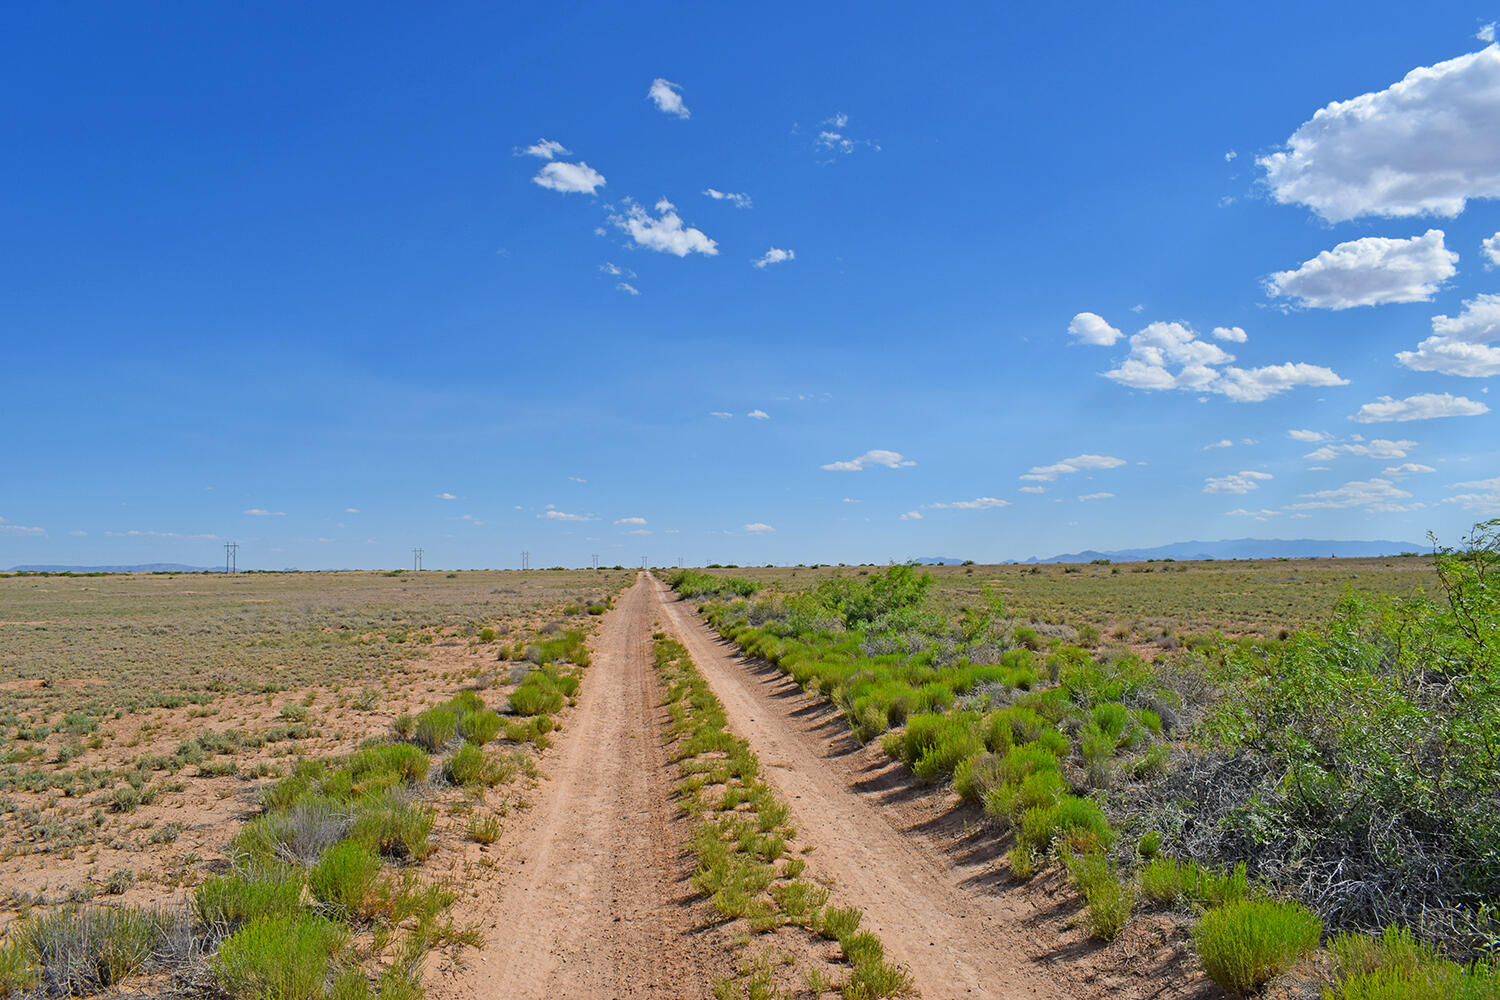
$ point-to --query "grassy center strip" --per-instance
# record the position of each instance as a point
(747, 867)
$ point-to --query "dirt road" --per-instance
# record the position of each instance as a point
(592, 898)
(932, 911)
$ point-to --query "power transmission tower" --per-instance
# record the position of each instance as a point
(231, 557)
(525, 560)
(596, 562)
(416, 559)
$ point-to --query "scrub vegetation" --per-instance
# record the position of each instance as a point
(747, 860)
(1270, 790)
(323, 891)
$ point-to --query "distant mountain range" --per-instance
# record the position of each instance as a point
(142, 568)
(1246, 548)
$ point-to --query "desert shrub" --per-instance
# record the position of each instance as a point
(487, 634)
(468, 765)
(839, 922)
(1245, 945)
(299, 834)
(223, 903)
(537, 695)
(1394, 965)
(17, 974)
(484, 829)
(479, 726)
(343, 877)
(395, 828)
(278, 958)
(435, 727)
(75, 951)
(407, 762)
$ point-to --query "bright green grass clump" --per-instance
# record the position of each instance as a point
(279, 958)
(227, 902)
(344, 877)
(1245, 945)
(1394, 965)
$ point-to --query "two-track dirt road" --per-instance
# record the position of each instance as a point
(591, 898)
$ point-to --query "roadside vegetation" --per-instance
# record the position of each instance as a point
(1329, 794)
(326, 892)
(749, 867)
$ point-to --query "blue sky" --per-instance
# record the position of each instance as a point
(978, 282)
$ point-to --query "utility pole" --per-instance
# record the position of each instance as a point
(596, 562)
(525, 560)
(643, 562)
(416, 559)
(231, 557)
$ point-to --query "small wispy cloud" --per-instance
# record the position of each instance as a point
(445, 496)
(877, 456)
(557, 515)
(615, 270)
(1068, 466)
(721, 414)
(21, 530)
(569, 178)
(758, 415)
(737, 200)
(627, 288)
(758, 528)
(351, 510)
(667, 96)
(1096, 496)
(544, 149)
(633, 521)
(1236, 482)
(978, 503)
(912, 515)
(262, 512)
(1225, 443)
(775, 255)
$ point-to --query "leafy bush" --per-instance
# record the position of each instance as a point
(395, 828)
(1396, 966)
(537, 695)
(1245, 945)
(479, 726)
(278, 958)
(468, 766)
(343, 877)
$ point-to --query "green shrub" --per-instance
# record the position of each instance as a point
(1245, 945)
(435, 727)
(343, 877)
(278, 958)
(537, 695)
(17, 974)
(487, 634)
(468, 766)
(484, 829)
(838, 922)
(479, 726)
(395, 828)
(226, 902)
(1396, 966)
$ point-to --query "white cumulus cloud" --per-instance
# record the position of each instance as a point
(1460, 344)
(1375, 270)
(773, 256)
(737, 200)
(1408, 469)
(665, 232)
(667, 96)
(627, 288)
(1096, 496)
(1225, 443)
(1068, 466)
(557, 515)
(1490, 247)
(1033, 489)
(633, 521)
(1091, 328)
(569, 178)
(1355, 494)
(23, 530)
(1422, 146)
(1382, 448)
(758, 528)
(912, 515)
(877, 456)
(1236, 482)
(1425, 406)
(1233, 334)
(545, 149)
(1204, 367)
(1310, 437)
(758, 415)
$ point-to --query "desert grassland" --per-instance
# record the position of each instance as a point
(1294, 760)
(1146, 599)
(150, 724)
